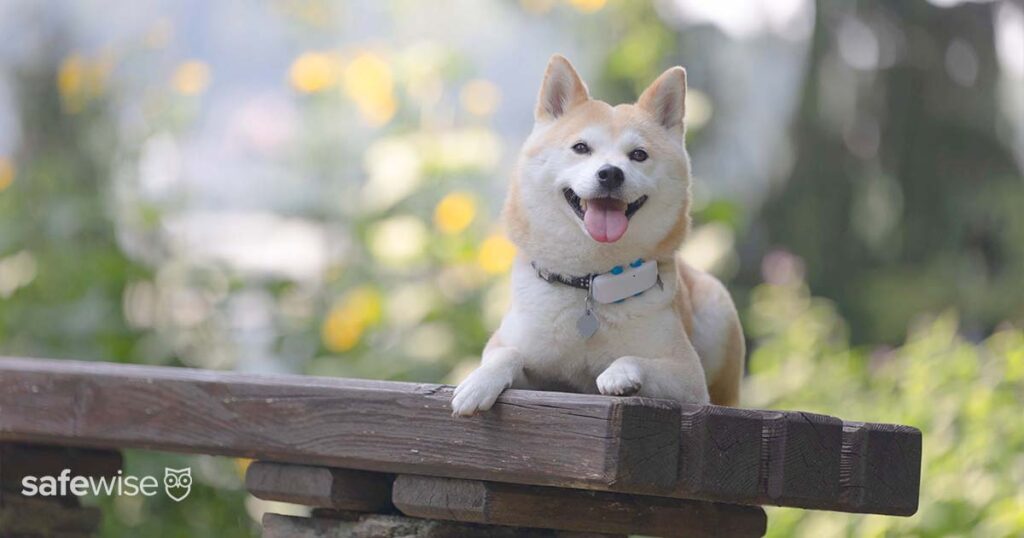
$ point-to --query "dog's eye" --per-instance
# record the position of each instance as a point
(581, 148)
(638, 155)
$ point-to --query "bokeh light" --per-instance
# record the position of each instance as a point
(368, 82)
(314, 72)
(454, 212)
(191, 77)
(6, 173)
(496, 254)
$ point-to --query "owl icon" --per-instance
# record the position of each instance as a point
(178, 482)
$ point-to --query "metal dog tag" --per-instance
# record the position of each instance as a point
(587, 324)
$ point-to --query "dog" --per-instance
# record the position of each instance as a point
(597, 208)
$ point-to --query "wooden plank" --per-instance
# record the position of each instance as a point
(321, 487)
(493, 503)
(881, 467)
(799, 459)
(630, 445)
(721, 453)
(20, 460)
(392, 526)
(804, 460)
(27, 516)
(530, 437)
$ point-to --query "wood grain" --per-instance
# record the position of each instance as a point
(493, 503)
(629, 445)
(531, 437)
(20, 460)
(799, 459)
(320, 487)
(880, 469)
(33, 516)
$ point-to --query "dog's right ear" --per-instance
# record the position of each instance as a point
(562, 89)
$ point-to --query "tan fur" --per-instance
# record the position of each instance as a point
(516, 224)
(701, 292)
(683, 341)
(725, 387)
(619, 118)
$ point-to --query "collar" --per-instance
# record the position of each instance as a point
(579, 282)
(618, 284)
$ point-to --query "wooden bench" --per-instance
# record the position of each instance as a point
(387, 459)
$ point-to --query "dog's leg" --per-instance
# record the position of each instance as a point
(670, 378)
(500, 367)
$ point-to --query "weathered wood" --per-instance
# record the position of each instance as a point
(20, 460)
(881, 467)
(792, 458)
(321, 487)
(29, 516)
(391, 526)
(493, 503)
(532, 437)
(630, 445)
(330, 513)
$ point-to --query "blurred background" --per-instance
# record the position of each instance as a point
(314, 186)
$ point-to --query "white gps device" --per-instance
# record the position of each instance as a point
(624, 282)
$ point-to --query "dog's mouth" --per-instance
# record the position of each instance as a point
(605, 219)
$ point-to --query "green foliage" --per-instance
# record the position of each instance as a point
(214, 506)
(57, 235)
(965, 397)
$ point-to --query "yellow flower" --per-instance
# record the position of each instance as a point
(191, 78)
(313, 72)
(350, 317)
(454, 212)
(588, 6)
(341, 330)
(480, 97)
(368, 82)
(6, 173)
(366, 302)
(69, 78)
(79, 80)
(71, 83)
(496, 254)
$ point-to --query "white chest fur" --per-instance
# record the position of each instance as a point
(541, 324)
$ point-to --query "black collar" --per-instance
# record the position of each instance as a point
(580, 282)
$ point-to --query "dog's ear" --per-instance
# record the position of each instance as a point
(665, 98)
(562, 89)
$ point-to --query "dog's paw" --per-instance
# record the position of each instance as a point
(619, 379)
(477, 393)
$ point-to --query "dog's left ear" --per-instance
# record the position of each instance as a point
(665, 98)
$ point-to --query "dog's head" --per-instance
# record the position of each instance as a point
(598, 185)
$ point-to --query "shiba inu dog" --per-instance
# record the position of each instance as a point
(597, 208)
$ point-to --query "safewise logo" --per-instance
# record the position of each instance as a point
(177, 484)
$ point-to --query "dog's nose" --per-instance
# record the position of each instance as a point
(610, 177)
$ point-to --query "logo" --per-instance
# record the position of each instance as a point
(178, 483)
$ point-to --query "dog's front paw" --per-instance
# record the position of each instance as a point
(619, 379)
(477, 393)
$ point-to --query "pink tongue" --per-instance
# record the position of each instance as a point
(605, 219)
